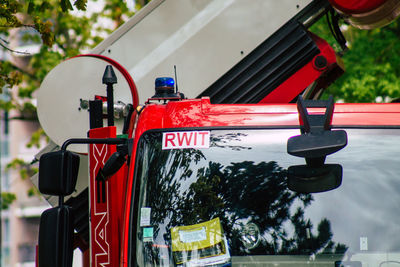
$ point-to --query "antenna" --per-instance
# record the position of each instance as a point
(109, 78)
(176, 81)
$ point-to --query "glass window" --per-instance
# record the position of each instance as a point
(5, 256)
(229, 204)
(26, 252)
(4, 146)
(6, 232)
(5, 179)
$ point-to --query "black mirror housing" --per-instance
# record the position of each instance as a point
(113, 164)
(317, 145)
(58, 173)
(56, 237)
(306, 179)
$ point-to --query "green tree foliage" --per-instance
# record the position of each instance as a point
(25, 169)
(6, 200)
(59, 34)
(372, 63)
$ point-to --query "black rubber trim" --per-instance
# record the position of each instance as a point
(134, 206)
(266, 67)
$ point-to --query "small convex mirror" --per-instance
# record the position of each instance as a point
(306, 179)
(58, 172)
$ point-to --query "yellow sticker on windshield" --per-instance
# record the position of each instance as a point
(197, 236)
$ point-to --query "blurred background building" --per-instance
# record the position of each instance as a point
(20, 222)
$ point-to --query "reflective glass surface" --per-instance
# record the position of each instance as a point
(229, 205)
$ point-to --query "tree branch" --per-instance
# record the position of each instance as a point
(4, 40)
(11, 50)
(18, 26)
(23, 118)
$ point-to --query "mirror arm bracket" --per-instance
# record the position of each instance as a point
(317, 140)
(108, 141)
(316, 122)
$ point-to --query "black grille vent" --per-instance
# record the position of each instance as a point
(266, 67)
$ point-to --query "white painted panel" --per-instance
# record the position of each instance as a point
(203, 38)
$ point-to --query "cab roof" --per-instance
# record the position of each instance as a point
(199, 113)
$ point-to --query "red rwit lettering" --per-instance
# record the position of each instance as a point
(204, 136)
(189, 139)
(169, 137)
(184, 136)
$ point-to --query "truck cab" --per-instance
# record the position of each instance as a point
(210, 186)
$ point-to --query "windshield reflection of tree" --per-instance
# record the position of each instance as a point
(237, 193)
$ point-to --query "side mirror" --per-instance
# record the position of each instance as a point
(58, 172)
(316, 141)
(306, 179)
(56, 237)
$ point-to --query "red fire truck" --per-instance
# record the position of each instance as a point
(253, 171)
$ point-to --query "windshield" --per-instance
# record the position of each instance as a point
(222, 200)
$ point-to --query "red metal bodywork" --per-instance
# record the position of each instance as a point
(106, 217)
(368, 14)
(310, 73)
(356, 6)
(106, 202)
(199, 113)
